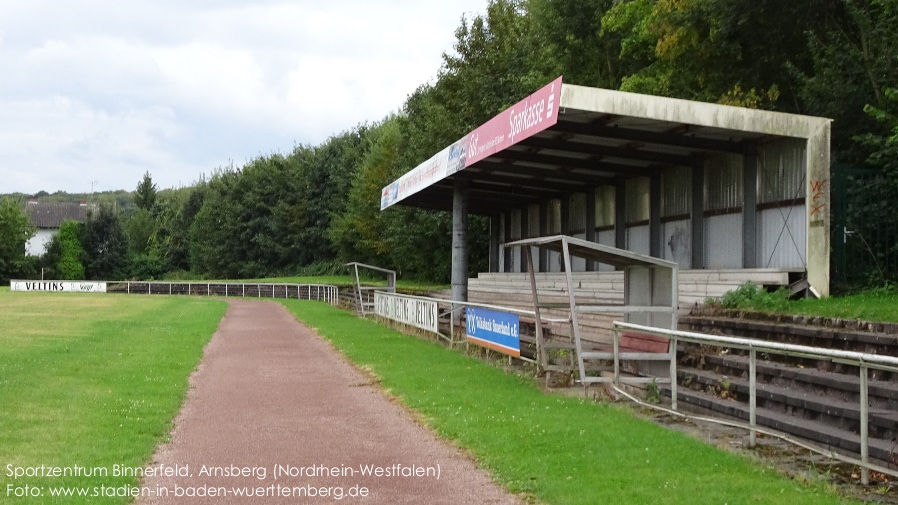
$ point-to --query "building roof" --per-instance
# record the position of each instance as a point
(51, 215)
(564, 138)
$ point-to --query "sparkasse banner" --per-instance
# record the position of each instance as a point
(520, 121)
(59, 286)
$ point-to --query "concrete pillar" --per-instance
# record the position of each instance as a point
(656, 235)
(460, 241)
(698, 214)
(543, 231)
(591, 223)
(495, 220)
(750, 209)
(620, 213)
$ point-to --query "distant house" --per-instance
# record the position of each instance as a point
(47, 218)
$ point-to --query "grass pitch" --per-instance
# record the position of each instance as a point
(92, 381)
(551, 449)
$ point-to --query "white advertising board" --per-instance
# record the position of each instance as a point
(59, 286)
(407, 310)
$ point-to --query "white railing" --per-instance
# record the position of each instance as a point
(864, 361)
(321, 292)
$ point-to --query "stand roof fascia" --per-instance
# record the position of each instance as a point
(593, 136)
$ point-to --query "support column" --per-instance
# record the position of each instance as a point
(620, 213)
(495, 219)
(460, 242)
(750, 209)
(656, 235)
(698, 214)
(543, 231)
(591, 223)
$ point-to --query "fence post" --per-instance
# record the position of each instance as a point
(615, 335)
(752, 396)
(865, 421)
(673, 373)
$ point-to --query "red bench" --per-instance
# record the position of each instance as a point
(632, 342)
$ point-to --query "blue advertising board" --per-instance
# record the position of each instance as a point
(496, 330)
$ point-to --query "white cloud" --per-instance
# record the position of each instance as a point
(102, 90)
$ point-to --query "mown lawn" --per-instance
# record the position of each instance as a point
(552, 449)
(92, 380)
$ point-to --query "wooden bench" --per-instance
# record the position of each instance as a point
(634, 346)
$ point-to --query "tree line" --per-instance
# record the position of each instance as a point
(309, 210)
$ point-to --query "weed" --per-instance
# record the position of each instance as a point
(653, 392)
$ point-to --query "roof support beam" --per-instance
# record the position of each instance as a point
(608, 151)
(601, 130)
(581, 163)
(565, 175)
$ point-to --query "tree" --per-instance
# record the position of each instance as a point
(15, 231)
(105, 244)
(145, 194)
(64, 252)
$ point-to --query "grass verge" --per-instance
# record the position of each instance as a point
(94, 381)
(874, 305)
(552, 449)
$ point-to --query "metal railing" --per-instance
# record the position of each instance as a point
(321, 292)
(863, 361)
(446, 309)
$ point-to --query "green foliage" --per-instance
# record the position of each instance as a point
(15, 230)
(64, 252)
(752, 296)
(145, 194)
(105, 245)
(140, 227)
(359, 232)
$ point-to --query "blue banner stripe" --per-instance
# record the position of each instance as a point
(494, 329)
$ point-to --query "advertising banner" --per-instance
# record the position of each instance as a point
(499, 331)
(407, 310)
(59, 286)
(531, 115)
(520, 121)
(438, 167)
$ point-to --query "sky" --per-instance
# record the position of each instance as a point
(95, 93)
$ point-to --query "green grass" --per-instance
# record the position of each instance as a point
(93, 380)
(874, 305)
(556, 450)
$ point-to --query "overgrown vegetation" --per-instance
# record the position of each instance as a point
(550, 449)
(752, 296)
(281, 213)
(879, 304)
(93, 381)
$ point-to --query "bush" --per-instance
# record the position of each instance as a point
(752, 296)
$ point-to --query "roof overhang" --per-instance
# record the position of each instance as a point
(565, 138)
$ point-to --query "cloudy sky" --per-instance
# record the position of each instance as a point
(93, 93)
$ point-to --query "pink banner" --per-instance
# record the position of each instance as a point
(525, 118)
